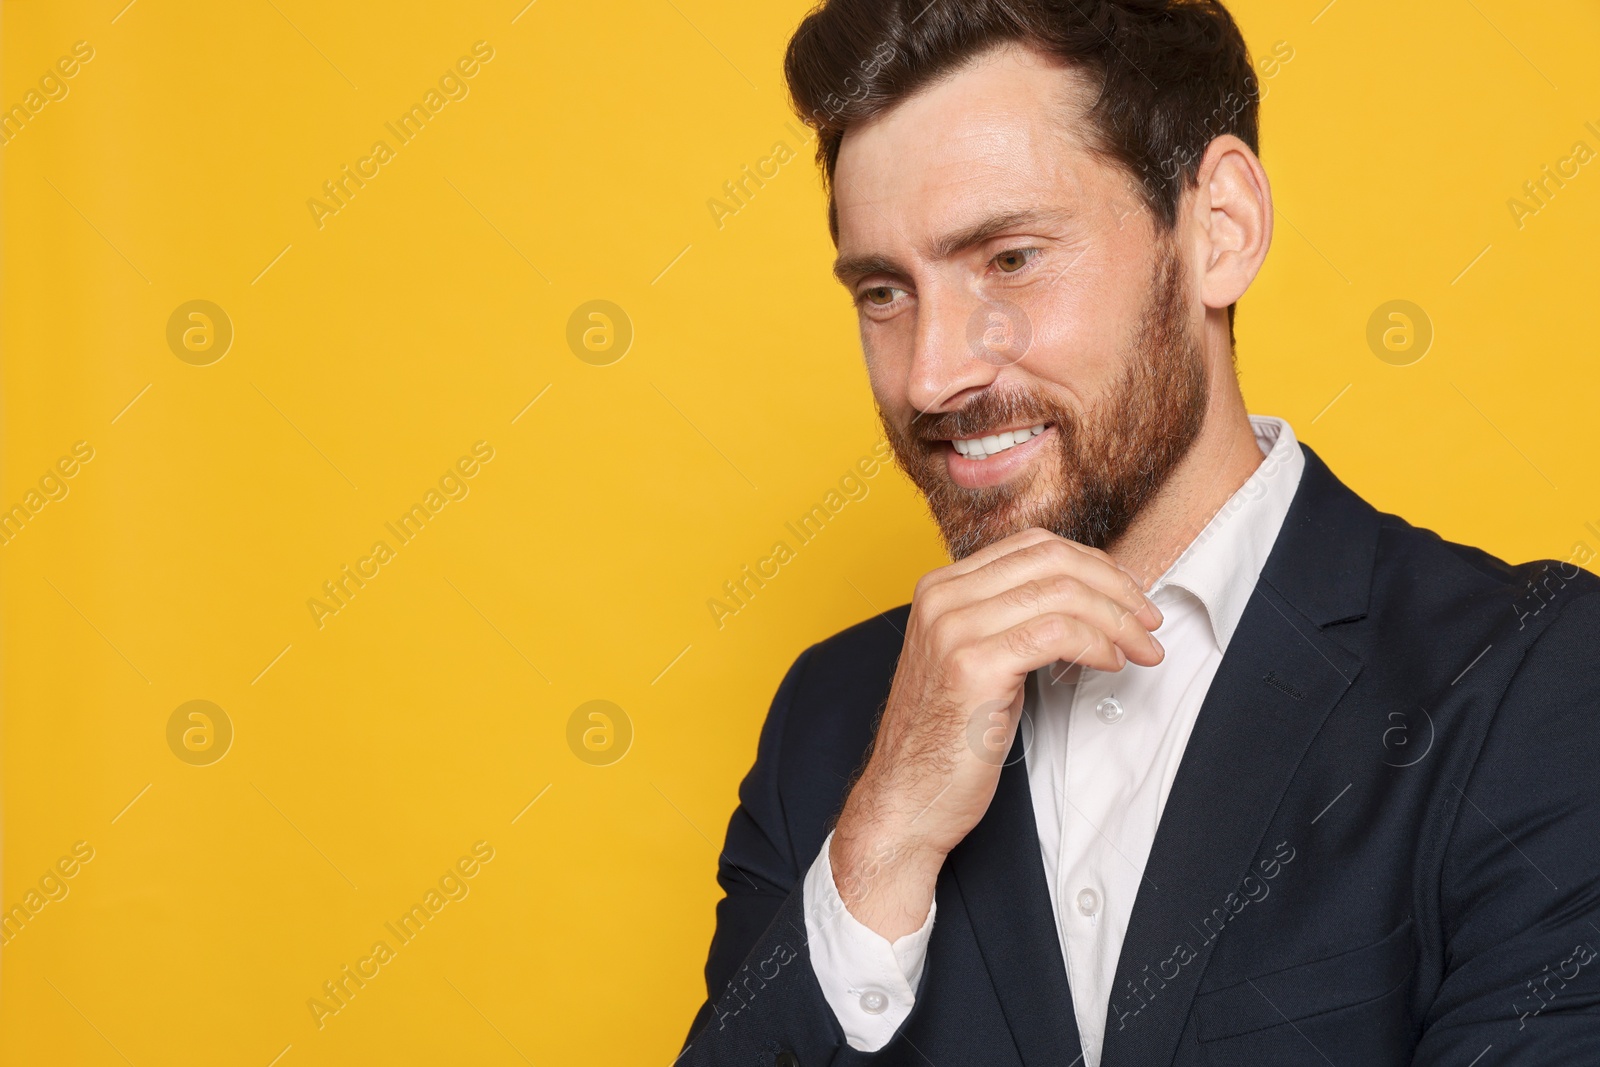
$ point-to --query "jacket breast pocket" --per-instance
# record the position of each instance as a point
(1351, 1007)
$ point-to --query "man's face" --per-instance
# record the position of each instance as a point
(1008, 278)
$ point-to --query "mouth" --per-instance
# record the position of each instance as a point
(982, 462)
(981, 448)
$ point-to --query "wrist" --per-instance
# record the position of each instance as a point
(884, 876)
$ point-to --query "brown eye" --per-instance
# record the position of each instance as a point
(1014, 260)
(880, 295)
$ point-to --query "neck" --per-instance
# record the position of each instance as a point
(1222, 458)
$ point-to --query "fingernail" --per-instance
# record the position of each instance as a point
(1122, 659)
(1157, 645)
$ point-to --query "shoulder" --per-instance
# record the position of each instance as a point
(1418, 570)
(829, 705)
(837, 686)
(1448, 619)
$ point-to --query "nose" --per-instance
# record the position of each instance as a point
(958, 339)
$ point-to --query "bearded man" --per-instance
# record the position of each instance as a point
(1190, 756)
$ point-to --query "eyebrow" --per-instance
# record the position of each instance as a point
(849, 269)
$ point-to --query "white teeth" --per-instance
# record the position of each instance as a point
(984, 447)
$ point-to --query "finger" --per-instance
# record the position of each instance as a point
(1102, 554)
(1005, 546)
(1048, 558)
(1054, 594)
(1046, 639)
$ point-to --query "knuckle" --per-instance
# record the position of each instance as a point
(1038, 635)
(1029, 594)
(1064, 553)
(1065, 589)
(1022, 641)
(961, 665)
(930, 602)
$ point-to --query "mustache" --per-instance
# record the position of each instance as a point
(989, 413)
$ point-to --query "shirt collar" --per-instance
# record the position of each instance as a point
(1221, 565)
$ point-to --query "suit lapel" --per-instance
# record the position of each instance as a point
(1247, 742)
(1000, 879)
(1277, 683)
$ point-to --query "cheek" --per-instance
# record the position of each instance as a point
(1085, 322)
(1075, 342)
(886, 348)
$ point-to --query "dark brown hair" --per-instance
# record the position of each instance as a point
(1172, 74)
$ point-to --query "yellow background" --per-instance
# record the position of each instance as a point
(372, 752)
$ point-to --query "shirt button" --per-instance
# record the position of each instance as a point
(1109, 710)
(1088, 901)
(874, 1002)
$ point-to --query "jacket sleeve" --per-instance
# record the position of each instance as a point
(1520, 892)
(764, 1005)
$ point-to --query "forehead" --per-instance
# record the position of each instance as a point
(1003, 132)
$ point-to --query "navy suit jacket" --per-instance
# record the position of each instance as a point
(1382, 845)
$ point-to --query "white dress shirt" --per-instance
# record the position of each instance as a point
(1104, 749)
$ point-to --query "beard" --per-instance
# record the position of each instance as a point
(1110, 460)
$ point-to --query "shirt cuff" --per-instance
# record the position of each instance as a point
(869, 982)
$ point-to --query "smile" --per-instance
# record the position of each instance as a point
(983, 447)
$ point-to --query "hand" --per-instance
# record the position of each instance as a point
(977, 628)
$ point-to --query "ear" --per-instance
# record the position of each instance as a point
(1230, 221)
